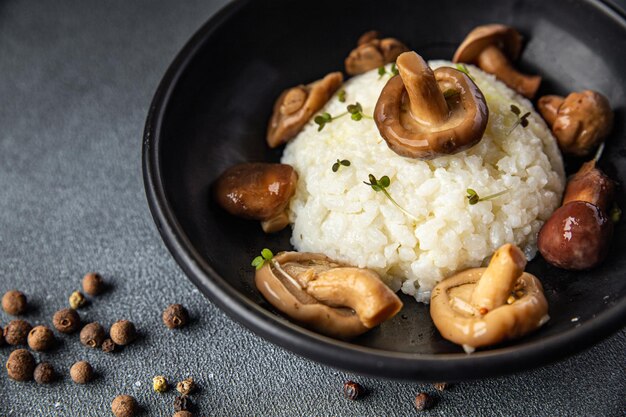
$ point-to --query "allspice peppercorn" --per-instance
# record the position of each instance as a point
(423, 401)
(124, 406)
(92, 335)
(108, 346)
(81, 372)
(40, 338)
(77, 300)
(186, 386)
(123, 332)
(183, 414)
(16, 332)
(353, 390)
(175, 316)
(66, 321)
(14, 302)
(93, 284)
(159, 384)
(20, 365)
(44, 373)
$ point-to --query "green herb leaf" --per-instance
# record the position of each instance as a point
(267, 254)
(515, 109)
(384, 181)
(381, 71)
(258, 262)
(335, 167)
(394, 69)
(521, 120)
(356, 117)
(341, 96)
(345, 163)
(381, 185)
(473, 197)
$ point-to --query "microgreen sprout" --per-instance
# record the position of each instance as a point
(259, 261)
(464, 70)
(324, 118)
(616, 213)
(339, 163)
(356, 111)
(522, 119)
(341, 96)
(381, 185)
(474, 198)
(382, 70)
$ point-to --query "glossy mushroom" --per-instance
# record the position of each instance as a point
(485, 306)
(579, 121)
(493, 47)
(326, 296)
(296, 105)
(425, 114)
(258, 191)
(372, 52)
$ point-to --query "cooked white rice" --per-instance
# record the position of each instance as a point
(336, 214)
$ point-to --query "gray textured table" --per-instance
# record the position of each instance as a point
(76, 79)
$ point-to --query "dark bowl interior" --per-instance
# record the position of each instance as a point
(211, 111)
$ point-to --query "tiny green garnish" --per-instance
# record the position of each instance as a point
(341, 96)
(392, 71)
(356, 111)
(259, 261)
(474, 198)
(464, 70)
(324, 118)
(339, 163)
(381, 185)
(616, 213)
(521, 120)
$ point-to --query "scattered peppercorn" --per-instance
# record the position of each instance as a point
(440, 386)
(20, 365)
(92, 335)
(109, 346)
(81, 372)
(44, 373)
(77, 300)
(353, 390)
(124, 406)
(16, 332)
(182, 403)
(40, 338)
(175, 316)
(183, 414)
(123, 332)
(93, 284)
(159, 383)
(423, 401)
(14, 302)
(66, 321)
(186, 386)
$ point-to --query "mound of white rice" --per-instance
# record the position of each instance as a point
(336, 214)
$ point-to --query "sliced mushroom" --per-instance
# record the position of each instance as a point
(485, 306)
(296, 105)
(424, 114)
(373, 52)
(326, 296)
(491, 47)
(579, 121)
(258, 191)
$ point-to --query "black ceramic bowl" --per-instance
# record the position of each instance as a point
(211, 111)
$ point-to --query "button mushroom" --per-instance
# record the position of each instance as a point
(326, 296)
(491, 47)
(579, 121)
(424, 114)
(373, 52)
(485, 306)
(295, 106)
(258, 191)
(578, 234)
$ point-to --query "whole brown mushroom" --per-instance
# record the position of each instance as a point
(425, 114)
(580, 121)
(258, 191)
(372, 52)
(296, 105)
(493, 47)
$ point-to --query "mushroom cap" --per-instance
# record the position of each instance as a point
(461, 128)
(455, 320)
(506, 38)
(372, 52)
(296, 105)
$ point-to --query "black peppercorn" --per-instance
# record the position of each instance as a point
(44, 373)
(16, 332)
(20, 365)
(40, 338)
(92, 335)
(353, 390)
(66, 321)
(14, 302)
(182, 403)
(123, 332)
(93, 284)
(423, 401)
(175, 316)
(109, 346)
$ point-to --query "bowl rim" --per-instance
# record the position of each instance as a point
(329, 351)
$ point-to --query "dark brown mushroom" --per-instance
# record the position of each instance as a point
(258, 191)
(579, 121)
(424, 114)
(493, 47)
(326, 296)
(372, 52)
(296, 105)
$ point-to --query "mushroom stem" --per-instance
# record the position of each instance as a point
(498, 280)
(427, 104)
(493, 61)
